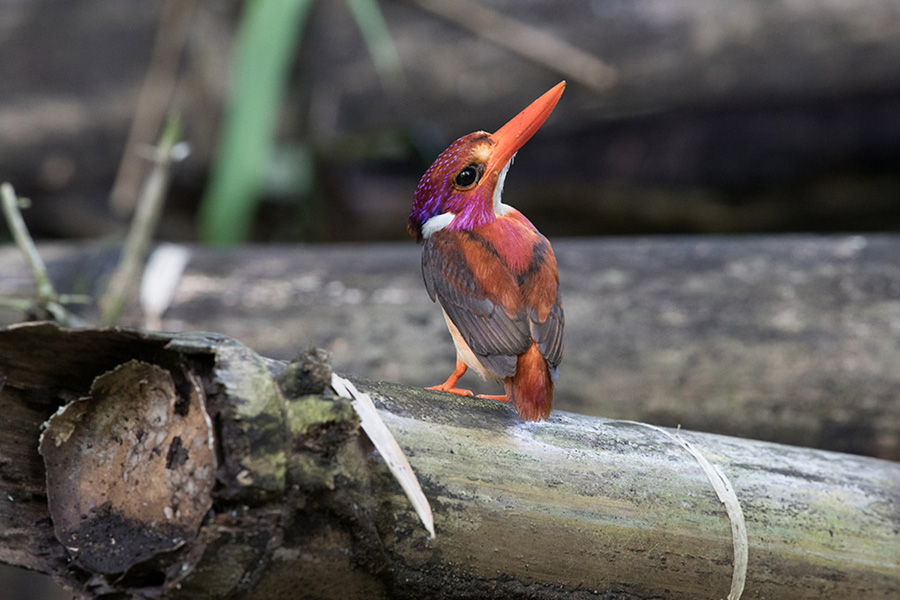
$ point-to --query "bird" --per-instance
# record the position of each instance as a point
(492, 272)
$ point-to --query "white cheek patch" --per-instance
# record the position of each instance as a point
(436, 223)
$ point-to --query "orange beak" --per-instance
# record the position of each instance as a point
(512, 136)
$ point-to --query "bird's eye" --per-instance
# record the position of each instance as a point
(467, 177)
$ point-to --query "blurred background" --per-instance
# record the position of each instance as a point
(311, 121)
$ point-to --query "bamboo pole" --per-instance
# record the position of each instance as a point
(575, 505)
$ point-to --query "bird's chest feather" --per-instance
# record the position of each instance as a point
(507, 243)
(513, 241)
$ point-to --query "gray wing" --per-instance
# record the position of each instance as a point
(494, 335)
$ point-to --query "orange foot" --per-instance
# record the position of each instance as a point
(500, 398)
(451, 390)
(449, 386)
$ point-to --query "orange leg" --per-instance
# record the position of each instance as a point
(449, 386)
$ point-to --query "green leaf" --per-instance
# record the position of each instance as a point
(269, 32)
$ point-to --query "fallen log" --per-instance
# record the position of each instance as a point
(575, 506)
(786, 339)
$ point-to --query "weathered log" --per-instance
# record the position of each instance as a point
(786, 339)
(576, 506)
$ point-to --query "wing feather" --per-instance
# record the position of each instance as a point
(497, 312)
(494, 333)
(548, 335)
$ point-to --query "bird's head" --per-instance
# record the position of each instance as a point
(461, 190)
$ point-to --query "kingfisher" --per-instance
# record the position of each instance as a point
(492, 272)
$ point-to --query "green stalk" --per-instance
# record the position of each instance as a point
(269, 32)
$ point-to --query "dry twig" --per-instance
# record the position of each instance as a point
(531, 42)
(153, 102)
(124, 282)
(46, 297)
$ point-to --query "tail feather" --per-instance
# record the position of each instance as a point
(531, 388)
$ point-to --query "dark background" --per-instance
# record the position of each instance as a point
(726, 117)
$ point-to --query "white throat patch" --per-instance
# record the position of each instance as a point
(436, 223)
(499, 207)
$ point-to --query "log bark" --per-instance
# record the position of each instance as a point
(786, 339)
(575, 506)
